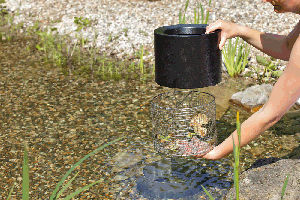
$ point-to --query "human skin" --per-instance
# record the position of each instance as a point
(286, 90)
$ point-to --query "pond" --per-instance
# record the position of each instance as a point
(63, 118)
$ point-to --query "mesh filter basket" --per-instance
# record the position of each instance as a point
(184, 123)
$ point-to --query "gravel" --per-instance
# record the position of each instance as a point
(121, 27)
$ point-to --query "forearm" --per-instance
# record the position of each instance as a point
(271, 44)
(250, 129)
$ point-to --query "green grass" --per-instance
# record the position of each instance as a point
(60, 187)
(75, 57)
(270, 69)
(235, 56)
(200, 15)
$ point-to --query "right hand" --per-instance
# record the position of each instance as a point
(228, 30)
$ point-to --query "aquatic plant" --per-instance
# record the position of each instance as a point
(235, 56)
(199, 13)
(81, 22)
(60, 187)
(74, 56)
(270, 69)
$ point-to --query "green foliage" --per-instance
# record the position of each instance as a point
(270, 69)
(200, 16)
(25, 182)
(182, 19)
(284, 186)
(3, 10)
(236, 154)
(235, 56)
(81, 23)
(207, 193)
(60, 187)
(11, 191)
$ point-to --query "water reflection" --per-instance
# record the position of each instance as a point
(177, 178)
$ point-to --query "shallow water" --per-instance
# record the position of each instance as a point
(63, 119)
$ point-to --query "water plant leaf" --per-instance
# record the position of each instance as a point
(81, 190)
(66, 186)
(207, 193)
(263, 60)
(236, 154)
(11, 191)
(54, 193)
(25, 181)
(235, 56)
(284, 186)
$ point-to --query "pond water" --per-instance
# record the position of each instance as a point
(154, 176)
(63, 118)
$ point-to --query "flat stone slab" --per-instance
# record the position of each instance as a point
(254, 97)
(266, 182)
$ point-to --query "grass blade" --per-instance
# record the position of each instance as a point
(186, 5)
(25, 181)
(180, 17)
(195, 16)
(207, 193)
(11, 191)
(207, 16)
(284, 186)
(53, 195)
(209, 3)
(81, 190)
(202, 13)
(66, 186)
(236, 153)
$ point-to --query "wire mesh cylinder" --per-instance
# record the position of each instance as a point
(184, 123)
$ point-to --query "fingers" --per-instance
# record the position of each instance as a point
(211, 155)
(222, 41)
(214, 26)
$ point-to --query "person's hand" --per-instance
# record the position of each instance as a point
(211, 155)
(228, 30)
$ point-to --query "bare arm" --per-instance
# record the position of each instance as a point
(277, 46)
(284, 94)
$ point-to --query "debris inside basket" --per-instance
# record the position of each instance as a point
(183, 147)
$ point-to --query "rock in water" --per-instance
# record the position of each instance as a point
(124, 160)
(253, 97)
(266, 182)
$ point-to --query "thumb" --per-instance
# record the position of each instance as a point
(222, 42)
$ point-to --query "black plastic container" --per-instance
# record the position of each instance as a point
(186, 57)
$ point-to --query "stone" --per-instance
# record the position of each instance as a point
(124, 160)
(253, 96)
(266, 181)
(120, 178)
(223, 92)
